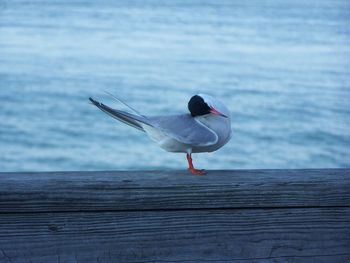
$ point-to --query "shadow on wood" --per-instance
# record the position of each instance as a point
(225, 216)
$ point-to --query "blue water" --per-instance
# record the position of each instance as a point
(282, 68)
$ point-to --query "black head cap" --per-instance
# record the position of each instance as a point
(197, 106)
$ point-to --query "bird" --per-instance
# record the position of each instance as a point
(205, 128)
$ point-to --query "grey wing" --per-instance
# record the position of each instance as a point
(185, 129)
(128, 118)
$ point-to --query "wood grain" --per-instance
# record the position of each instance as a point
(247, 235)
(225, 216)
(139, 190)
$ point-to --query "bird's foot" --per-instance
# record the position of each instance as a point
(197, 171)
(191, 167)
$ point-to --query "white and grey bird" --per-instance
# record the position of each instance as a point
(206, 128)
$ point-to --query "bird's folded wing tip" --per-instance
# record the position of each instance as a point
(95, 102)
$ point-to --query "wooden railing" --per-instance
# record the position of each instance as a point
(173, 216)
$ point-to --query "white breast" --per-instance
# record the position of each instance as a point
(221, 126)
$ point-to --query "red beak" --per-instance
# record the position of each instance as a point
(216, 112)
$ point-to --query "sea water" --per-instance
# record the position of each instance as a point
(281, 67)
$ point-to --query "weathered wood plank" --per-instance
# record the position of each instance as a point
(232, 216)
(253, 235)
(121, 191)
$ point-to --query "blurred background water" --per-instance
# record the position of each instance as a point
(282, 68)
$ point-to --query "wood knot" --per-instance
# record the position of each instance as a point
(54, 228)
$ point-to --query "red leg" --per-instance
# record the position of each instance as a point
(191, 168)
